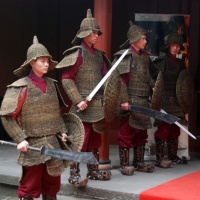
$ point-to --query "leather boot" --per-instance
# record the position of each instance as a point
(94, 172)
(172, 152)
(75, 177)
(138, 161)
(48, 197)
(125, 169)
(160, 161)
(26, 198)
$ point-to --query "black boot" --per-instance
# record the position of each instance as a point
(125, 169)
(48, 197)
(26, 198)
(138, 161)
(172, 152)
(160, 161)
(94, 172)
(75, 177)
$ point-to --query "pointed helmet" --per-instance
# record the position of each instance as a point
(34, 51)
(88, 24)
(134, 33)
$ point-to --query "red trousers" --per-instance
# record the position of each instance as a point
(129, 137)
(36, 180)
(167, 131)
(92, 139)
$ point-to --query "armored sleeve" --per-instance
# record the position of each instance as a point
(124, 70)
(124, 93)
(72, 91)
(13, 129)
(12, 102)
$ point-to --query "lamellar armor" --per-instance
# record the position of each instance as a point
(40, 121)
(88, 76)
(170, 86)
(137, 91)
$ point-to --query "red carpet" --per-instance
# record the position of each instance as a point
(184, 188)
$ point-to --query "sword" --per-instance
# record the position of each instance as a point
(182, 127)
(84, 157)
(94, 91)
(154, 113)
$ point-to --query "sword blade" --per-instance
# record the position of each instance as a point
(181, 126)
(154, 113)
(95, 90)
(84, 157)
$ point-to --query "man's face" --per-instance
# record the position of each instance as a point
(92, 38)
(40, 66)
(174, 49)
(140, 43)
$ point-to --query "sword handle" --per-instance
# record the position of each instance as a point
(78, 110)
(15, 145)
(34, 148)
(8, 143)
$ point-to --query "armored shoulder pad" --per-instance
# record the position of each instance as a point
(160, 63)
(70, 58)
(19, 83)
(10, 100)
(124, 65)
(119, 53)
(71, 50)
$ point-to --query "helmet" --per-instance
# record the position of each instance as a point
(172, 38)
(134, 33)
(34, 51)
(88, 24)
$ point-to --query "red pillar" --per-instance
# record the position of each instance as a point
(103, 14)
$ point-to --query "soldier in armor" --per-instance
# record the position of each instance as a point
(31, 115)
(171, 93)
(136, 79)
(83, 68)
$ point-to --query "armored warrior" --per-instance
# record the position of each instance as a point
(83, 68)
(172, 93)
(135, 71)
(31, 116)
